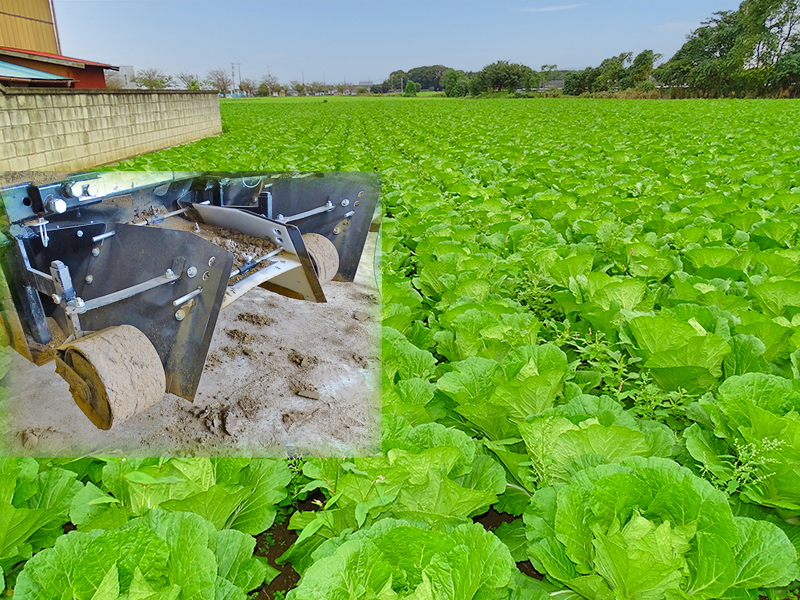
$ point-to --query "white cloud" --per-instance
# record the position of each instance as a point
(552, 8)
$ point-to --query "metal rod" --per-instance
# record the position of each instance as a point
(238, 271)
(159, 218)
(79, 306)
(314, 211)
(187, 297)
(103, 236)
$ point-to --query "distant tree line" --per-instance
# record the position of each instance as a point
(222, 81)
(614, 74)
(752, 51)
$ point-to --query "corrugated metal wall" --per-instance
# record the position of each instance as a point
(27, 24)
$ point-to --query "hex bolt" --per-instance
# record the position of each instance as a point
(336, 231)
(180, 315)
(89, 279)
(191, 271)
(79, 302)
(95, 251)
(56, 298)
(56, 205)
(80, 233)
(345, 202)
(169, 274)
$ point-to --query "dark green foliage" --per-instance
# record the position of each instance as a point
(503, 76)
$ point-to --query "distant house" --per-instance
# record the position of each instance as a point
(22, 67)
(365, 84)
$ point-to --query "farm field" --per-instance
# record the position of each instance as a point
(591, 338)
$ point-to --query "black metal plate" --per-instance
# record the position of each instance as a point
(291, 196)
(136, 254)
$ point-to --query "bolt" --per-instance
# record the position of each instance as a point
(169, 274)
(191, 271)
(79, 302)
(95, 251)
(56, 298)
(280, 217)
(345, 202)
(56, 205)
(89, 279)
(180, 315)
(349, 214)
(80, 233)
(336, 231)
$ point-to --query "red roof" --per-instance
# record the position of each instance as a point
(57, 57)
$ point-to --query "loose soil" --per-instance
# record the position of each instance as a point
(282, 377)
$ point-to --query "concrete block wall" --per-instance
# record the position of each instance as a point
(70, 130)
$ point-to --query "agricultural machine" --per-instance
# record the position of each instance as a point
(119, 277)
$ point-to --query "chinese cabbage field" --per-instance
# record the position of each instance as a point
(591, 317)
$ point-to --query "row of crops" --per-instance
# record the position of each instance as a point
(590, 315)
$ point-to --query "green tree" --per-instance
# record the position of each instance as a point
(711, 62)
(411, 89)
(455, 83)
(428, 77)
(502, 75)
(785, 77)
(578, 82)
(643, 65)
(612, 73)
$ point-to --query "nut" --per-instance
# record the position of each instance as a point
(180, 315)
(95, 251)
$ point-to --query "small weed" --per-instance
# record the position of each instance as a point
(748, 466)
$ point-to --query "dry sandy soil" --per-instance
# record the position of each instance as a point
(282, 376)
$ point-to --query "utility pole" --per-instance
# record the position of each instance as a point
(239, 65)
(233, 77)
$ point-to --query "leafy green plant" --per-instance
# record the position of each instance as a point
(648, 528)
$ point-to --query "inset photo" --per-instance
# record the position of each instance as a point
(191, 313)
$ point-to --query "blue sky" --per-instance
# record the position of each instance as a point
(360, 39)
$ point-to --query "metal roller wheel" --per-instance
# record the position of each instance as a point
(113, 374)
(323, 254)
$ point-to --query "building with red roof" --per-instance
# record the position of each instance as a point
(83, 74)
